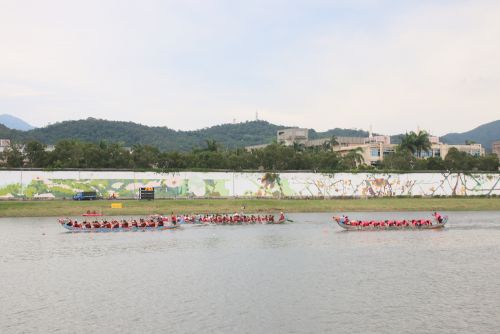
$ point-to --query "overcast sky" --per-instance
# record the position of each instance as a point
(190, 64)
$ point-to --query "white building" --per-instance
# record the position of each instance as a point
(495, 148)
(294, 135)
(4, 144)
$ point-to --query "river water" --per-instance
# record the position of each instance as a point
(303, 277)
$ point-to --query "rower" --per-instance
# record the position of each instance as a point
(438, 217)
(282, 216)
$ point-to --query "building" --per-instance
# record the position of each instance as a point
(495, 148)
(372, 148)
(4, 144)
(375, 148)
(342, 141)
(476, 150)
(294, 135)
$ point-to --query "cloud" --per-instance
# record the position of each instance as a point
(10, 90)
(190, 64)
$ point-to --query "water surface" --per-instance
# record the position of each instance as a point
(305, 277)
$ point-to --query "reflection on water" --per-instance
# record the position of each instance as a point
(305, 277)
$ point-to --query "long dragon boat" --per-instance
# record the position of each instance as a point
(231, 219)
(436, 222)
(115, 227)
(160, 223)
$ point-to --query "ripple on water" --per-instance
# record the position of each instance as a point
(296, 278)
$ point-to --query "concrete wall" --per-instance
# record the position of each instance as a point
(60, 184)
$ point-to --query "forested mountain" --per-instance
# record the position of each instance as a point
(129, 134)
(484, 134)
(13, 122)
(227, 135)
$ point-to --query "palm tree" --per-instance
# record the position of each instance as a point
(334, 141)
(422, 142)
(353, 158)
(416, 142)
(409, 142)
(329, 144)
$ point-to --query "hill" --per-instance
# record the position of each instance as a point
(484, 134)
(129, 133)
(13, 122)
(228, 135)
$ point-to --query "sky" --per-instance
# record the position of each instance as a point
(189, 64)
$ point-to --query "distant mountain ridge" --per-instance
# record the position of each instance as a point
(13, 122)
(228, 135)
(484, 134)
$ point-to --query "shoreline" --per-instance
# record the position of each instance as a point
(55, 208)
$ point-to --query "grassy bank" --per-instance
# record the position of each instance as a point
(134, 207)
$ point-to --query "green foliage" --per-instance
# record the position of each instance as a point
(36, 154)
(402, 159)
(416, 142)
(13, 156)
(274, 157)
(352, 159)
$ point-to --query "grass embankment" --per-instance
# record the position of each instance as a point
(135, 207)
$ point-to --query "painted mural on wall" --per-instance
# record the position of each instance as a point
(63, 184)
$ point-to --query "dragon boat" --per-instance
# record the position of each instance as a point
(236, 219)
(115, 227)
(436, 222)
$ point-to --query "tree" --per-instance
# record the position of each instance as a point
(298, 147)
(67, 154)
(144, 156)
(456, 160)
(13, 156)
(435, 163)
(416, 142)
(488, 163)
(36, 154)
(329, 144)
(402, 159)
(326, 161)
(422, 143)
(408, 142)
(333, 141)
(117, 156)
(353, 158)
(212, 145)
